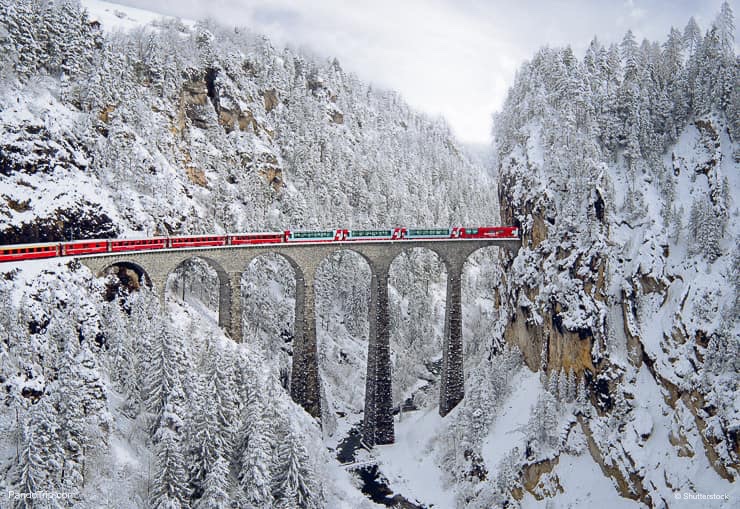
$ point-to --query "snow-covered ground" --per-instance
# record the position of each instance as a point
(410, 464)
(113, 16)
(507, 431)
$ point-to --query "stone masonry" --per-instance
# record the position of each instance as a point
(231, 261)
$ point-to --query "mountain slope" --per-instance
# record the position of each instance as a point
(622, 170)
(235, 135)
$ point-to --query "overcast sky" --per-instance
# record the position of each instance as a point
(455, 58)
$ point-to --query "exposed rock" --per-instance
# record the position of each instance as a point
(127, 279)
(681, 443)
(337, 117)
(196, 176)
(18, 206)
(193, 99)
(236, 119)
(245, 120)
(87, 221)
(270, 99)
(273, 176)
(569, 350)
(104, 115)
(537, 480)
(628, 486)
(695, 402)
(29, 147)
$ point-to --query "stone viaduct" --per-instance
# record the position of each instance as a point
(230, 262)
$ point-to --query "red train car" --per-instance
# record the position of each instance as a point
(28, 252)
(238, 239)
(83, 247)
(490, 232)
(117, 246)
(198, 241)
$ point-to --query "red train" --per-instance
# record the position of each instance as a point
(84, 247)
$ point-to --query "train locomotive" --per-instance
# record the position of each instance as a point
(99, 246)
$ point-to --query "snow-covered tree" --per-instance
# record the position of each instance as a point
(169, 486)
(294, 482)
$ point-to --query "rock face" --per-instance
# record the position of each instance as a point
(270, 99)
(84, 221)
(620, 283)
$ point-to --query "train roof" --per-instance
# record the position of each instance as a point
(24, 246)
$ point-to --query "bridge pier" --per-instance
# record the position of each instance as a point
(235, 326)
(377, 426)
(229, 262)
(452, 380)
(159, 285)
(304, 383)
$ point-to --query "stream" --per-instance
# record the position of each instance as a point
(374, 484)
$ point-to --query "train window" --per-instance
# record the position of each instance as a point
(311, 235)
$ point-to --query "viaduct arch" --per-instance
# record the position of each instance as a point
(229, 262)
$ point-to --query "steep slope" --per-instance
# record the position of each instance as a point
(622, 169)
(123, 404)
(180, 129)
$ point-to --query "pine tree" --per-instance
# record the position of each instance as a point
(553, 383)
(725, 25)
(32, 474)
(256, 454)
(562, 386)
(169, 487)
(41, 459)
(215, 495)
(692, 36)
(583, 406)
(294, 482)
(212, 421)
(571, 386)
(542, 426)
(164, 381)
(705, 230)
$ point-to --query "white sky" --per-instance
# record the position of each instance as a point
(454, 58)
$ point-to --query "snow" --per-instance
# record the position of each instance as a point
(642, 440)
(26, 271)
(507, 431)
(62, 186)
(408, 464)
(113, 16)
(581, 487)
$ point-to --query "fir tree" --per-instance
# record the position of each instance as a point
(216, 495)
(293, 481)
(169, 487)
(255, 459)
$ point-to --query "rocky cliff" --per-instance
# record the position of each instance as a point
(628, 273)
